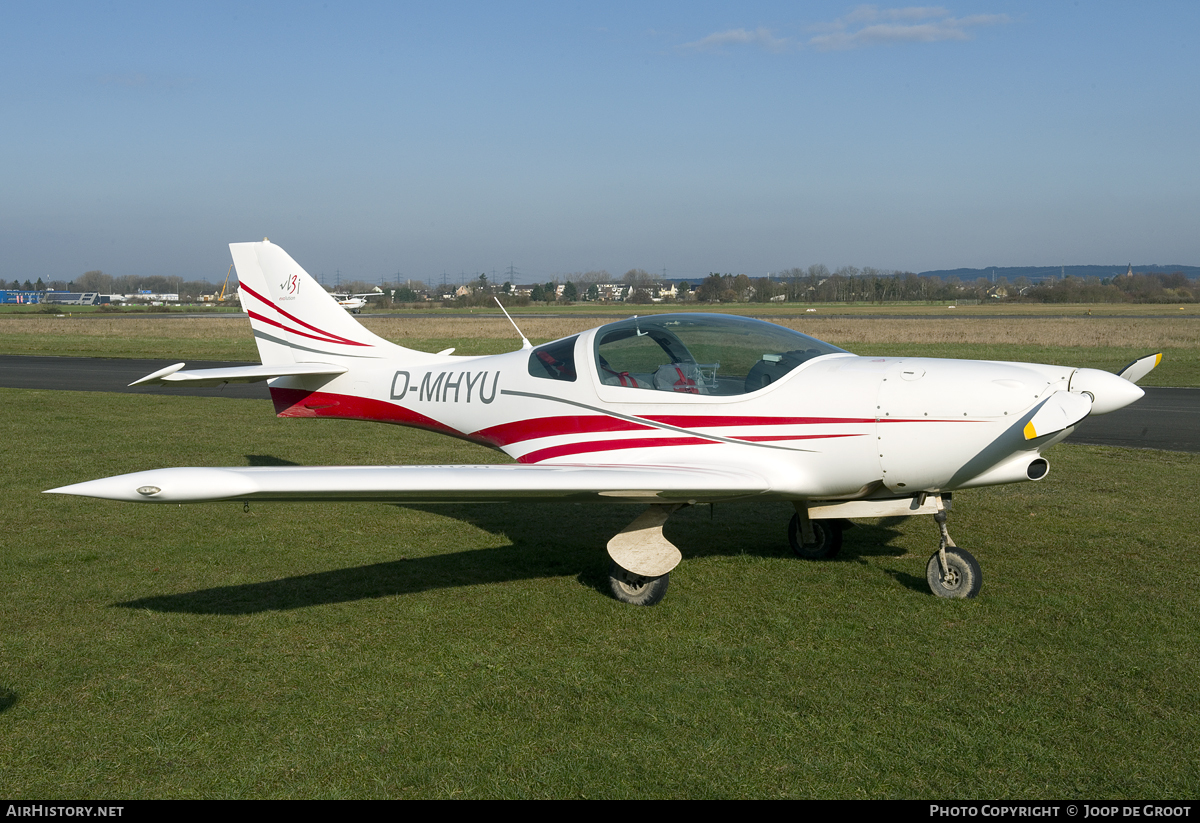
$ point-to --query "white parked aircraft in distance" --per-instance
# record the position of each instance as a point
(355, 303)
(667, 410)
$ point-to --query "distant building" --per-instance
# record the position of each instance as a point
(145, 296)
(13, 298)
(612, 291)
(76, 298)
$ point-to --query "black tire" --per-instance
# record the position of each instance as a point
(635, 589)
(829, 539)
(964, 580)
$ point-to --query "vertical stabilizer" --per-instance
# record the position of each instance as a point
(293, 318)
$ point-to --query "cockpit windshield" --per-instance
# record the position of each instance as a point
(709, 354)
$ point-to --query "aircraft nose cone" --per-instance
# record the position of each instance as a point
(1110, 391)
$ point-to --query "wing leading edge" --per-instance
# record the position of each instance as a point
(428, 484)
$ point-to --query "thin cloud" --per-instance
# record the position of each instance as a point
(869, 14)
(873, 26)
(760, 37)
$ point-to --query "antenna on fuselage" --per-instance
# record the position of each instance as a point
(525, 344)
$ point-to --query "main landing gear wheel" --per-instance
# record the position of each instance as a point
(635, 589)
(828, 542)
(962, 577)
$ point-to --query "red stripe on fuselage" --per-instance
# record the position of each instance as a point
(651, 443)
(759, 438)
(522, 430)
(301, 403)
(692, 421)
(610, 445)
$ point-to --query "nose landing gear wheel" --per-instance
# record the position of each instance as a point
(634, 589)
(828, 535)
(962, 577)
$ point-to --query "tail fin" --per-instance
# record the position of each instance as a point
(293, 318)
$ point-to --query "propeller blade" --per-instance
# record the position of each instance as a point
(1141, 367)
(1061, 409)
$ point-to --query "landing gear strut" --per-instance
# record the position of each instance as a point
(813, 539)
(951, 571)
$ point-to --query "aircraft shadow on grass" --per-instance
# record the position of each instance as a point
(545, 540)
(268, 460)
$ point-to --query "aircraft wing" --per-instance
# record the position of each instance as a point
(234, 374)
(428, 484)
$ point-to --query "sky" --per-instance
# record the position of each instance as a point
(416, 140)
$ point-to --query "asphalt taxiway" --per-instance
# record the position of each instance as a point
(112, 374)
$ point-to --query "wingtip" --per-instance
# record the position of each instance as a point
(75, 489)
(159, 375)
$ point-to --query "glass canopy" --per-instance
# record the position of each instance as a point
(709, 354)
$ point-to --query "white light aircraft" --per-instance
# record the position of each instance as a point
(667, 410)
(355, 303)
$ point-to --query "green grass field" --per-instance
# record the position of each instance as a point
(368, 650)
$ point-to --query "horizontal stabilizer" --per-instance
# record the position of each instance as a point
(235, 374)
(426, 484)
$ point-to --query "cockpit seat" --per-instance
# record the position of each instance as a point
(678, 377)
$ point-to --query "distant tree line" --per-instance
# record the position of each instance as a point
(101, 283)
(1139, 287)
(816, 284)
(17, 285)
(850, 285)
